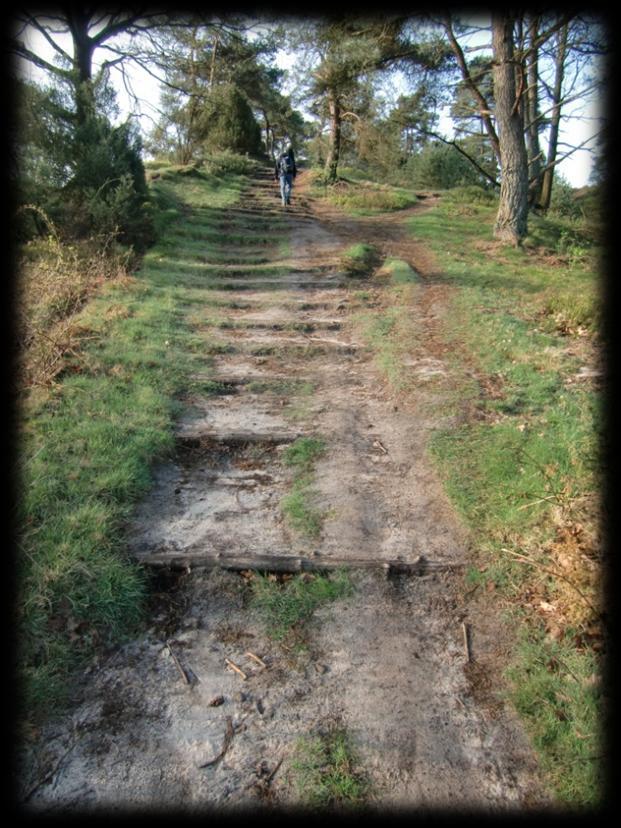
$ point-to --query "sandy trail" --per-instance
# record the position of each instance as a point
(387, 663)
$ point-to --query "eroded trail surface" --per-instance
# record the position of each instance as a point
(166, 721)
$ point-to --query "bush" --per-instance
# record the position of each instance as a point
(229, 124)
(472, 194)
(108, 190)
(87, 177)
(439, 166)
(227, 161)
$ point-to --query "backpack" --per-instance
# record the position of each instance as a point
(286, 164)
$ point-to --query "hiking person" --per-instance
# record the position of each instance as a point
(284, 172)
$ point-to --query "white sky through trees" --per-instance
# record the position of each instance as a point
(581, 120)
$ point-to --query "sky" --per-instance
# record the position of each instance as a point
(576, 169)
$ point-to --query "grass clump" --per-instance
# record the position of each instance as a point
(286, 605)
(303, 452)
(399, 271)
(298, 506)
(325, 771)
(299, 510)
(360, 260)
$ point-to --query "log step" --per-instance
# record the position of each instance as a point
(292, 564)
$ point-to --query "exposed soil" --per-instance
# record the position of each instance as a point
(165, 721)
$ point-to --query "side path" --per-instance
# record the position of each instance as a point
(206, 709)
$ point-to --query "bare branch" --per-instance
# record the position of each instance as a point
(484, 108)
(572, 150)
(459, 149)
(32, 21)
(22, 51)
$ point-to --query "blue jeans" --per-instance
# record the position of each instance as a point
(286, 184)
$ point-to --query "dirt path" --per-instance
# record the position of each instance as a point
(387, 663)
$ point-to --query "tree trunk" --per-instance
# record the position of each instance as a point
(532, 114)
(512, 217)
(83, 49)
(548, 175)
(332, 161)
(214, 51)
(269, 135)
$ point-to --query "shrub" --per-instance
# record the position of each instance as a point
(228, 123)
(439, 166)
(563, 201)
(87, 176)
(227, 161)
(471, 194)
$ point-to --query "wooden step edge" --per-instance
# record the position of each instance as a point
(293, 564)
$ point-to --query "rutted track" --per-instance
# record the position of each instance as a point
(388, 662)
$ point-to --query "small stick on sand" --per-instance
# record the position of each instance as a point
(464, 629)
(256, 658)
(236, 668)
(183, 673)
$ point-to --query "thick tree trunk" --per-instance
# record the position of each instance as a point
(512, 217)
(83, 49)
(334, 150)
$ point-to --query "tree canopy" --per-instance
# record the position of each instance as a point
(373, 91)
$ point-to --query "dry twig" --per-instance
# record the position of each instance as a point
(228, 738)
(554, 572)
(464, 630)
(236, 668)
(256, 658)
(182, 672)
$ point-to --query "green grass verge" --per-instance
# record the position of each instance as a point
(558, 693)
(524, 467)
(86, 450)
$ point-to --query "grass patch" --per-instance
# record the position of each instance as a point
(299, 510)
(565, 724)
(361, 197)
(523, 468)
(87, 445)
(303, 452)
(287, 604)
(298, 506)
(360, 260)
(325, 771)
(387, 329)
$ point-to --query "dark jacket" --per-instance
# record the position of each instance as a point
(277, 166)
